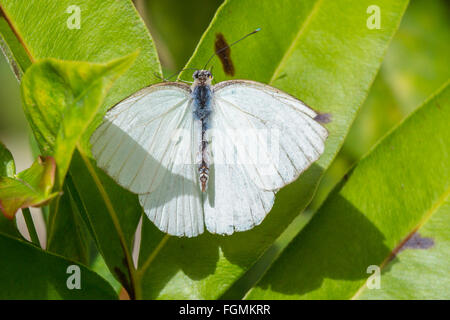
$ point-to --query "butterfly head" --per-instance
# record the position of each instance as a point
(202, 76)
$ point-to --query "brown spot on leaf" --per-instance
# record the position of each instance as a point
(224, 54)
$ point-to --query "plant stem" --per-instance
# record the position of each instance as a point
(30, 226)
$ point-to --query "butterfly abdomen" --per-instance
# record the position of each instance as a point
(202, 110)
(203, 172)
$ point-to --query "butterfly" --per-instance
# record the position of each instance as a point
(207, 155)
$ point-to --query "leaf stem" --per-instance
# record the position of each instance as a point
(30, 226)
(152, 256)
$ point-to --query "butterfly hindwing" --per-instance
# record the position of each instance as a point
(233, 201)
(175, 206)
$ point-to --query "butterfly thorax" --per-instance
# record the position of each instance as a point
(202, 109)
(201, 95)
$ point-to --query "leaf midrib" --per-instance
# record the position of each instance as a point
(291, 48)
(17, 34)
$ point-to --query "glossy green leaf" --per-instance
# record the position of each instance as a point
(30, 188)
(61, 98)
(420, 268)
(67, 233)
(99, 266)
(7, 169)
(391, 194)
(416, 65)
(7, 166)
(11, 47)
(319, 51)
(177, 27)
(27, 272)
(8, 226)
(112, 220)
(109, 29)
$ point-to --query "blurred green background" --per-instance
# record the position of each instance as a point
(416, 65)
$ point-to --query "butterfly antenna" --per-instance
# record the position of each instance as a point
(158, 76)
(211, 71)
(178, 72)
(228, 46)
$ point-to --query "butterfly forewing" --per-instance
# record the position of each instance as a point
(275, 134)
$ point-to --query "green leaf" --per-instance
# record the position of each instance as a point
(415, 66)
(109, 29)
(27, 272)
(322, 53)
(30, 188)
(61, 98)
(13, 50)
(112, 219)
(380, 112)
(8, 226)
(420, 270)
(7, 169)
(391, 194)
(68, 234)
(7, 166)
(177, 26)
(99, 266)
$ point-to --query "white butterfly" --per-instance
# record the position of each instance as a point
(207, 155)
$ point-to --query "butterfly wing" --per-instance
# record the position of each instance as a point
(146, 143)
(263, 139)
